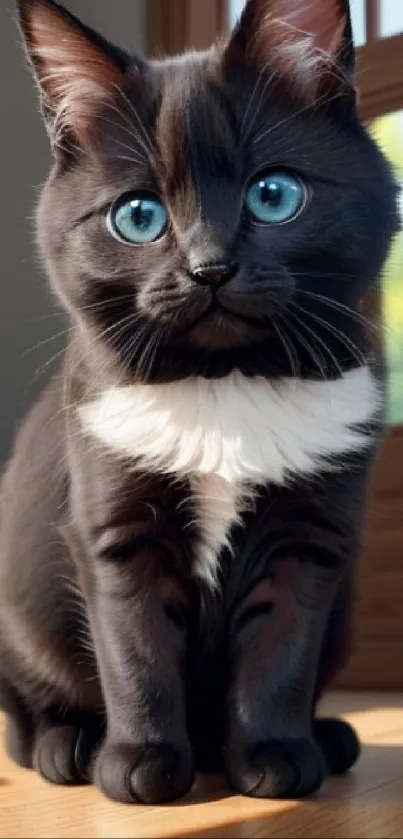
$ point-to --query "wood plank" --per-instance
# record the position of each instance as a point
(367, 804)
(379, 605)
(374, 664)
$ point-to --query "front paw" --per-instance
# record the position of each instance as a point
(276, 769)
(153, 773)
(62, 753)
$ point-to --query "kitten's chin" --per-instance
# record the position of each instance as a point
(221, 331)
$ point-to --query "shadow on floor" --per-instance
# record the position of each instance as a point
(367, 803)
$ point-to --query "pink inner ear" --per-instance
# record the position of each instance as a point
(302, 38)
(74, 74)
(324, 19)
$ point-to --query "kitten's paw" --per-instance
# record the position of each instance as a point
(62, 754)
(149, 774)
(339, 744)
(277, 769)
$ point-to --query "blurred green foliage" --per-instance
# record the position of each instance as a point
(388, 132)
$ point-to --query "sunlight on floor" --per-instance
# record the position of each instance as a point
(367, 803)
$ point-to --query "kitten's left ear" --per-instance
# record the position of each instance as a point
(308, 43)
(76, 69)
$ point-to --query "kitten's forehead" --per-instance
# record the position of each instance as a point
(196, 132)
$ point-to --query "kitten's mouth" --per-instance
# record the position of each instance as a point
(218, 327)
(218, 311)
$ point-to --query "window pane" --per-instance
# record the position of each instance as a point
(388, 131)
(358, 20)
(391, 17)
(236, 7)
(357, 16)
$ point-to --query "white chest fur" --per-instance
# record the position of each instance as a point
(229, 435)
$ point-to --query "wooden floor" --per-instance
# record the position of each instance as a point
(368, 803)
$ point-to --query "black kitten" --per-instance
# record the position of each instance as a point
(183, 509)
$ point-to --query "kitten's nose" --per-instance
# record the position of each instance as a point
(214, 273)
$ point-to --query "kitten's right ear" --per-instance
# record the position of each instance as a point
(76, 69)
(307, 43)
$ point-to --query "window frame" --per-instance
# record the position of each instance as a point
(185, 24)
(380, 77)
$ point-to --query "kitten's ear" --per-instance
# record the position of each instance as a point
(76, 69)
(308, 43)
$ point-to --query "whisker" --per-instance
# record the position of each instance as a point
(134, 158)
(134, 344)
(126, 158)
(147, 156)
(387, 282)
(337, 333)
(317, 358)
(289, 349)
(43, 368)
(134, 111)
(318, 340)
(142, 366)
(267, 82)
(153, 346)
(46, 341)
(109, 302)
(147, 147)
(341, 307)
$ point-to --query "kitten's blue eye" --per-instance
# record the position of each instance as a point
(276, 197)
(137, 219)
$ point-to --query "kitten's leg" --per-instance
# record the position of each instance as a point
(140, 645)
(276, 643)
(59, 742)
(45, 732)
(49, 687)
(131, 551)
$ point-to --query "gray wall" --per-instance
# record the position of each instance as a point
(27, 312)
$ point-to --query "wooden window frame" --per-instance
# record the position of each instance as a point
(380, 76)
(175, 25)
